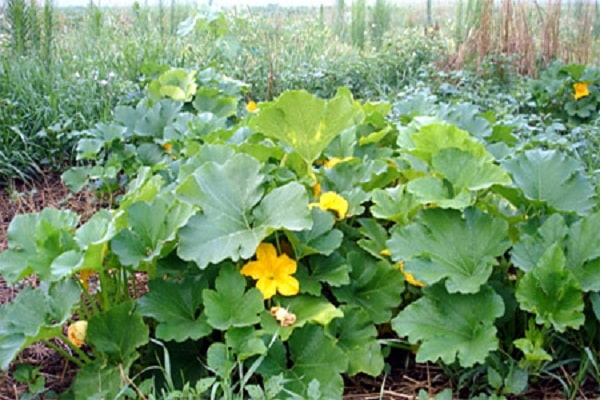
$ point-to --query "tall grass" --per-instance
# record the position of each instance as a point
(527, 35)
(359, 23)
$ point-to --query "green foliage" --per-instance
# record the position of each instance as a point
(430, 252)
(306, 123)
(452, 327)
(480, 252)
(549, 177)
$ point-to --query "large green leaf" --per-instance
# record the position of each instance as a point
(229, 305)
(35, 241)
(117, 333)
(236, 217)
(176, 307)
(452, 326)
(551, 292)
(357, 336)
(307, 123)
(150, 226)
(446, 244)
(583, 252)
(550, 177)
(375, 286)
(466, 171)
(431, 139)
(580, 242)
(35, 314)
(316, 356)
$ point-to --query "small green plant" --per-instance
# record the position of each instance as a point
(569, 92)
(25, 373)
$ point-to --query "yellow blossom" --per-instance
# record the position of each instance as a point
(385, 252)
(316, 185)
(410, 278)
(84, 276)
(272, 272)
(76, 332)
(168, 147)
(332, 162)
(251, 106)
(581, 90)
(334, 202)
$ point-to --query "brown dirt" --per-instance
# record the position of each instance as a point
(403, 383)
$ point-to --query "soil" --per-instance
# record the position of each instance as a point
(404, 382)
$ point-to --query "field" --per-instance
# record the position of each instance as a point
(366, 201)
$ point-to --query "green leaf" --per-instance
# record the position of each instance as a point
(35, 241)
(235, 219)
(308, 309)
(465, 171)
(431, 139)
(374, 237)
(117, 333)
(151, 121)
(316, 356)
(526, 253)
(583, 252)
(213, 101)
(177, 84)
(88, 148)
(551, 292)
(394, 204)
(97, 381)
(230, 305)
(35, 314)
(219, 360)
(553, 178)
(306, 123)
(357, 336)
(150, 226)
(245, 342)
(452, 326)
(375, 286)
(322, 238)
(445, 244)
(432, 190)
(333, 270)
(176, 305)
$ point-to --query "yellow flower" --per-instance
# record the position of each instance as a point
(332, 162)
(410, 278)
(272, 272)
(84, 276)
(251, 106)
(581, 90)
(76, 332)
(334, 202)
(168, 147)
(385, 252)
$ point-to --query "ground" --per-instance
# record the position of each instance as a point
(404, 382)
